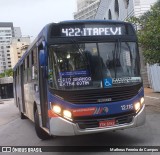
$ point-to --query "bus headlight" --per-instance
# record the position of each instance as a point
(137, 106)
(67, 114)
(56, 109)
(142, 100)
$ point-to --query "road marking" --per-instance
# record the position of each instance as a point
(152, 97)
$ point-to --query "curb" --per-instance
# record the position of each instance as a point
(8, 99)
(2, 101)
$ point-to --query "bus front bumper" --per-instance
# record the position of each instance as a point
(62, 127)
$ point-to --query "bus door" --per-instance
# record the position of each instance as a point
(22, 87)
(43, 88)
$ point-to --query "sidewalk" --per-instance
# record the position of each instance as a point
(149, 92)
(151, 98)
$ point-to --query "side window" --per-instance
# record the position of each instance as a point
(29, 67)
(28, 61)
(25, 65)
(34, 64)
(17, 75)
(25, 70)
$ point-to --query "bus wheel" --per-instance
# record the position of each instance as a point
(39, 131)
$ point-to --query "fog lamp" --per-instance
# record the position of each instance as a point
(56, 109)
(137, 106)
(142, 100)
(67, 114)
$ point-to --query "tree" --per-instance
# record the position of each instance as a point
(149, 33)
(2, 75)
(7, 73)
(149, 36)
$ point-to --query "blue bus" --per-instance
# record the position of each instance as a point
(81, 77)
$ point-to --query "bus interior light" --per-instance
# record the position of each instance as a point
(56, 109)
(142, 100)
(67, 114)
(137, 106)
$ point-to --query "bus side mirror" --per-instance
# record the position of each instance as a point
(42, 58)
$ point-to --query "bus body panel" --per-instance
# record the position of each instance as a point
(63, 127)
(113, 107)
(29, 100)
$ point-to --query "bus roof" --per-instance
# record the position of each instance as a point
(92, 21)
(44, 32)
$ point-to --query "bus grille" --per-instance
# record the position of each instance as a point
(99, 95)
(94, 123)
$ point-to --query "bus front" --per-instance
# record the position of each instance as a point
(94, 82)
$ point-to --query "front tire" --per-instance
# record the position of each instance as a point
(39, 131)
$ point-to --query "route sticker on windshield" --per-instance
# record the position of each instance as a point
(75, 81)
(126, 80)
(107, 83)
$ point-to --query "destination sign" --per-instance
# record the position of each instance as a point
(93, 30)
(75, 81)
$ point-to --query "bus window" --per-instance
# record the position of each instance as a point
(18, 75)
(34, 64)
(29, 67)
(25, 71)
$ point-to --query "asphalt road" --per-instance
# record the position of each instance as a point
(17, 132)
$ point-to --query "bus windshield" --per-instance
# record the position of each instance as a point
(93, 65)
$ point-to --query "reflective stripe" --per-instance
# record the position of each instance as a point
(83, 111)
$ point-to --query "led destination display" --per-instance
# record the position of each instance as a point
(92, 30)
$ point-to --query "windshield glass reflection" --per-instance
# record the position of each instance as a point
(93, 65)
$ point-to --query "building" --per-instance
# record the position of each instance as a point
(7, 31)
(122, 9)
(86, 9)
(111, 9)
(17, 32)
(17, 48)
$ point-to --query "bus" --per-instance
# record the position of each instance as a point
(81, 77)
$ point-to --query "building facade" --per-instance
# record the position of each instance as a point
(17, 32)
(111, 9)
(86, 9)
(17, 48)
(122, 9)
(7, 32)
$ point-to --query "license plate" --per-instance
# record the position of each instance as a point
(107, 123)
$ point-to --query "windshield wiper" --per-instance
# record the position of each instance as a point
(80, 50)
